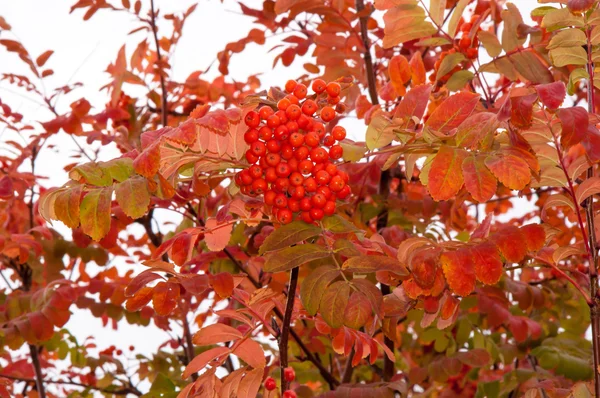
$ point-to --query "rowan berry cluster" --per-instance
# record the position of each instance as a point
(465, 45)
(292, 153)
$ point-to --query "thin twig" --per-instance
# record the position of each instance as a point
(159, 64)
(285, 328)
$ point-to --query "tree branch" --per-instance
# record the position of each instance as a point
(285, 329)
(122, 391)
(371, 83)
(159, 62)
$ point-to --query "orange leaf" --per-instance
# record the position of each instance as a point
(357, 311)
(459, 271)
(399, 72)
(509, 169)
(333, 303)
(535, 236)
(200, 361)
(95, 212)
(452, 112)
(217, 333)
(479, 181)
(418, 69)
(165, 297)
(217, 235)
(445, 175)
(42, 59)
(139, 299)
(222, 284)
(488, 265)
(511, 242)
(251, 352)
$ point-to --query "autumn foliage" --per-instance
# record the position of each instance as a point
(412, 215)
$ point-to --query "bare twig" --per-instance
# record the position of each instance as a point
(285, 328)
(159, 65)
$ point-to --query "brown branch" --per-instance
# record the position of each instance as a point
(285, 328)
(348, 369)
(372, 85)
(188, 347)
(121, 391)
(159, 64)
(593, 248)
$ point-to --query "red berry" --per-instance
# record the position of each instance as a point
(265, 111)
(296, 179)
(325, 191)
(282, 116)
(319, 86)
(336, 184)
(298, 192)
(259, 186)
(293, 112)
(281, 133)
(283, 104)
(327, 114)
(282, 169)
(305, 204)
(294, 205)
(300, 91)
(273, 146)
(317, 214)
(465, 42)
(333, 89)
(270, 197)
(343, 194)
(282, 184)
(252, 119)
(333, 100)
(270, 175)
(272, 159)
(310, 184)
(318, 155)
(303, 120)
(309, 107)
(322, 177)
(302, 152)
(289, 374)
(318, 201)
(293, 163)
(312, 139)
(329, 208)
(265, 133)
(251, 157)
(296, 139)
(336, 152)
(472, 53)
(246, 177)
(251, 136)
(280, 201)
(258, 148)
(287, 151)
(305, 216)
(273, 121)
(255, 171)
(290, 85)
(292, 126)
(270, 383)
(328, 140)
(305, 166)
(338, 133)
(319, 128)
(331, 169)
(285, 216)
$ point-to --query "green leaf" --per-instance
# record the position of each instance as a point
(437, 9)
(568, 56)
(449, 62)
(338, 225)
(353, 151)
(293, 257)
(162, 384)
(334, 302)
(314, 286)
(119, 169)
(288, 235)
(91, 173)
(490, 43)
(459, 80)
(365, 264)
(94, 213)
(133, 197)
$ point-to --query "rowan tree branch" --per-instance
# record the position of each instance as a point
(159, 65)
(285, 328)
(121, 391)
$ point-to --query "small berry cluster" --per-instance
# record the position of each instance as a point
(289, 375)
(465, 45)
(291, 154)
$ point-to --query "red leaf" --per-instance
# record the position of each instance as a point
(222, 284)
(488, 265)
(551, 94)
(511, 242)
(217, 333)
(414, 103)
(521, 112)
(574, 125)
(479, 181)
(165, 297)
(512, 171)
(445, 175)
(579, 6)
(140, 281)
(139, 299)
(217, 235)
(459, 271)
(7, 188)
(452, 112)
(535, 236)
(399, 72)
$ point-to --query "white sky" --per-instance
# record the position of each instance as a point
(83, 49)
